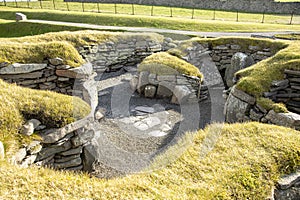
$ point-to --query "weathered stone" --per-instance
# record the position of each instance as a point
(47, 86)
(235, 109)
(19, 156)
(29, 160)
(133, 83)
(150, 91)
(77, 150)
(143, 81)
(71, 163)
(58, 134)
(165, 89)
(32, 75)
(180, 92)
(66, 73)
(63, 67)
(2, 151)
(32, 82)
(20, 17)
(152, 79)
(66, 158)
(256, 115)
(292, 193)
(45, 161)
(281, 83)
(29, 126)
(56, 61)
(284, 119)
(77, 168)
(34, 147)
(292, 72)
(220, 47)
(254, 48)
(169, 78)
(238, 61)
(17, 68)
(145, 109)
(88, 158)
(83, 138)
(243, 96)
(288, 181)
(51, 150)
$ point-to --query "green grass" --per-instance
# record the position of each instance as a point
(165, 64)
(246, 161)
(19, 104)
(160, 11)
(145, 21)
(9, 28)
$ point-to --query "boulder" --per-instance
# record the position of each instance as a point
(236, 109)
(238, 61)
(88, 157)
(82, 138)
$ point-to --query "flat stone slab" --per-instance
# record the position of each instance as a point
(289, 180)
(18, 68)
(145, 109)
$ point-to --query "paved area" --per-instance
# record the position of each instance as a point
(144, 29)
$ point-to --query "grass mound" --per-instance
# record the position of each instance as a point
(52, 109)
(258, 78)
(244, 164)
(165, 64)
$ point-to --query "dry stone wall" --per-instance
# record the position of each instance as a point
(268, 6)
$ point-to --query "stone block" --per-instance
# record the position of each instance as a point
(165, 89)
(88, 158)
(52, 150)
(82, 138)
(56, 61)
(143, 81)
(77, 150)
(235, 109)
(72, 163)
(17, 68)
(243, 96)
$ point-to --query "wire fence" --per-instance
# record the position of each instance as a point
(158, 11)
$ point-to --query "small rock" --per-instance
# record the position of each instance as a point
(165, 128)
(2, 151)
(133, 83)
(99, 114)
(157, 133)
(151, 121)
(29, 127)
(150, 91)
(34, 147)
(141, 126)
(29, 160)
(40, 127)
(56, 61)
(19, 156)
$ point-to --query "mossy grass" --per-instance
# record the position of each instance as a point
(19, 104)
(245, 162)
(258, 78)
(165, 64)
(292, 36)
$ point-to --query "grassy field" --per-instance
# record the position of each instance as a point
(10, 28)
(145, 21)
(246, 161)
(159, 11)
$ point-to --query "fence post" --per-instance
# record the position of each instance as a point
(4, 2)
(53, 4)
(116, 11)
(41, 4)
(98, 7)
(292, 15)
(67, 6)
(237, 15)
(132, 7)
(263, 18)
(82, 5)
(193, 12)
(27, 3)
(16, 3)
(214, 17)
(171, 12)
(152, 10)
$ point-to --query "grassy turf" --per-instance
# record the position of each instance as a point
(165, 64)
(9, 28)
(245, 162)
(144, 21)
(18, 104)
(293, 36)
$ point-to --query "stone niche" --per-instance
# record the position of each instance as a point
(178, 88)
(67, 147)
